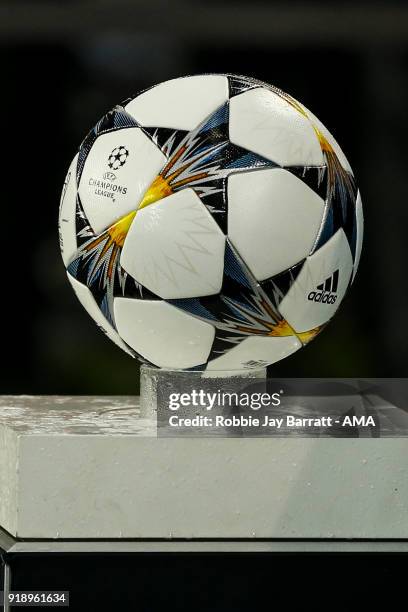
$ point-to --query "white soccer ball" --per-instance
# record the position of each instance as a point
(211, 222)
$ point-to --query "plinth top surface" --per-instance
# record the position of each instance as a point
(66, 415)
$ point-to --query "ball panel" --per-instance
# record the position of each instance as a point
(119, 168)
(360, 233)
(255, 353)
(273, 219)
(263, 122)
(67, 210)
(175, 248)
(88, 302)
(320, 286)
(180, 103)
(164, 335)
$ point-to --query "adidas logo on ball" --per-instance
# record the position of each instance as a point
(326, 292)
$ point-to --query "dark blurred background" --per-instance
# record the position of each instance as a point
(65, 63)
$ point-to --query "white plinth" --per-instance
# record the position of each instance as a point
(91, 468)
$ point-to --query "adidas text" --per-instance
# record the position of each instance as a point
(321, 296)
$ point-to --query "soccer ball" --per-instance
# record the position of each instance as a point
(211, 222)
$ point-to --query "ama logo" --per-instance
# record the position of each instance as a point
(326, 292)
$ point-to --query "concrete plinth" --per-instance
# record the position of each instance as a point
(90, 467)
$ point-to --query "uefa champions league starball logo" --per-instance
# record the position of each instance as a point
(118, 158)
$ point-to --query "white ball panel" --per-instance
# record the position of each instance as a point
(67, 214)
(175, 248)
(263, 122)
(303, 313)
(88, 302)
(255, 353)
(360, 232)
(107, 194)
(180, 103)
(273, 219)
(163, 334)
